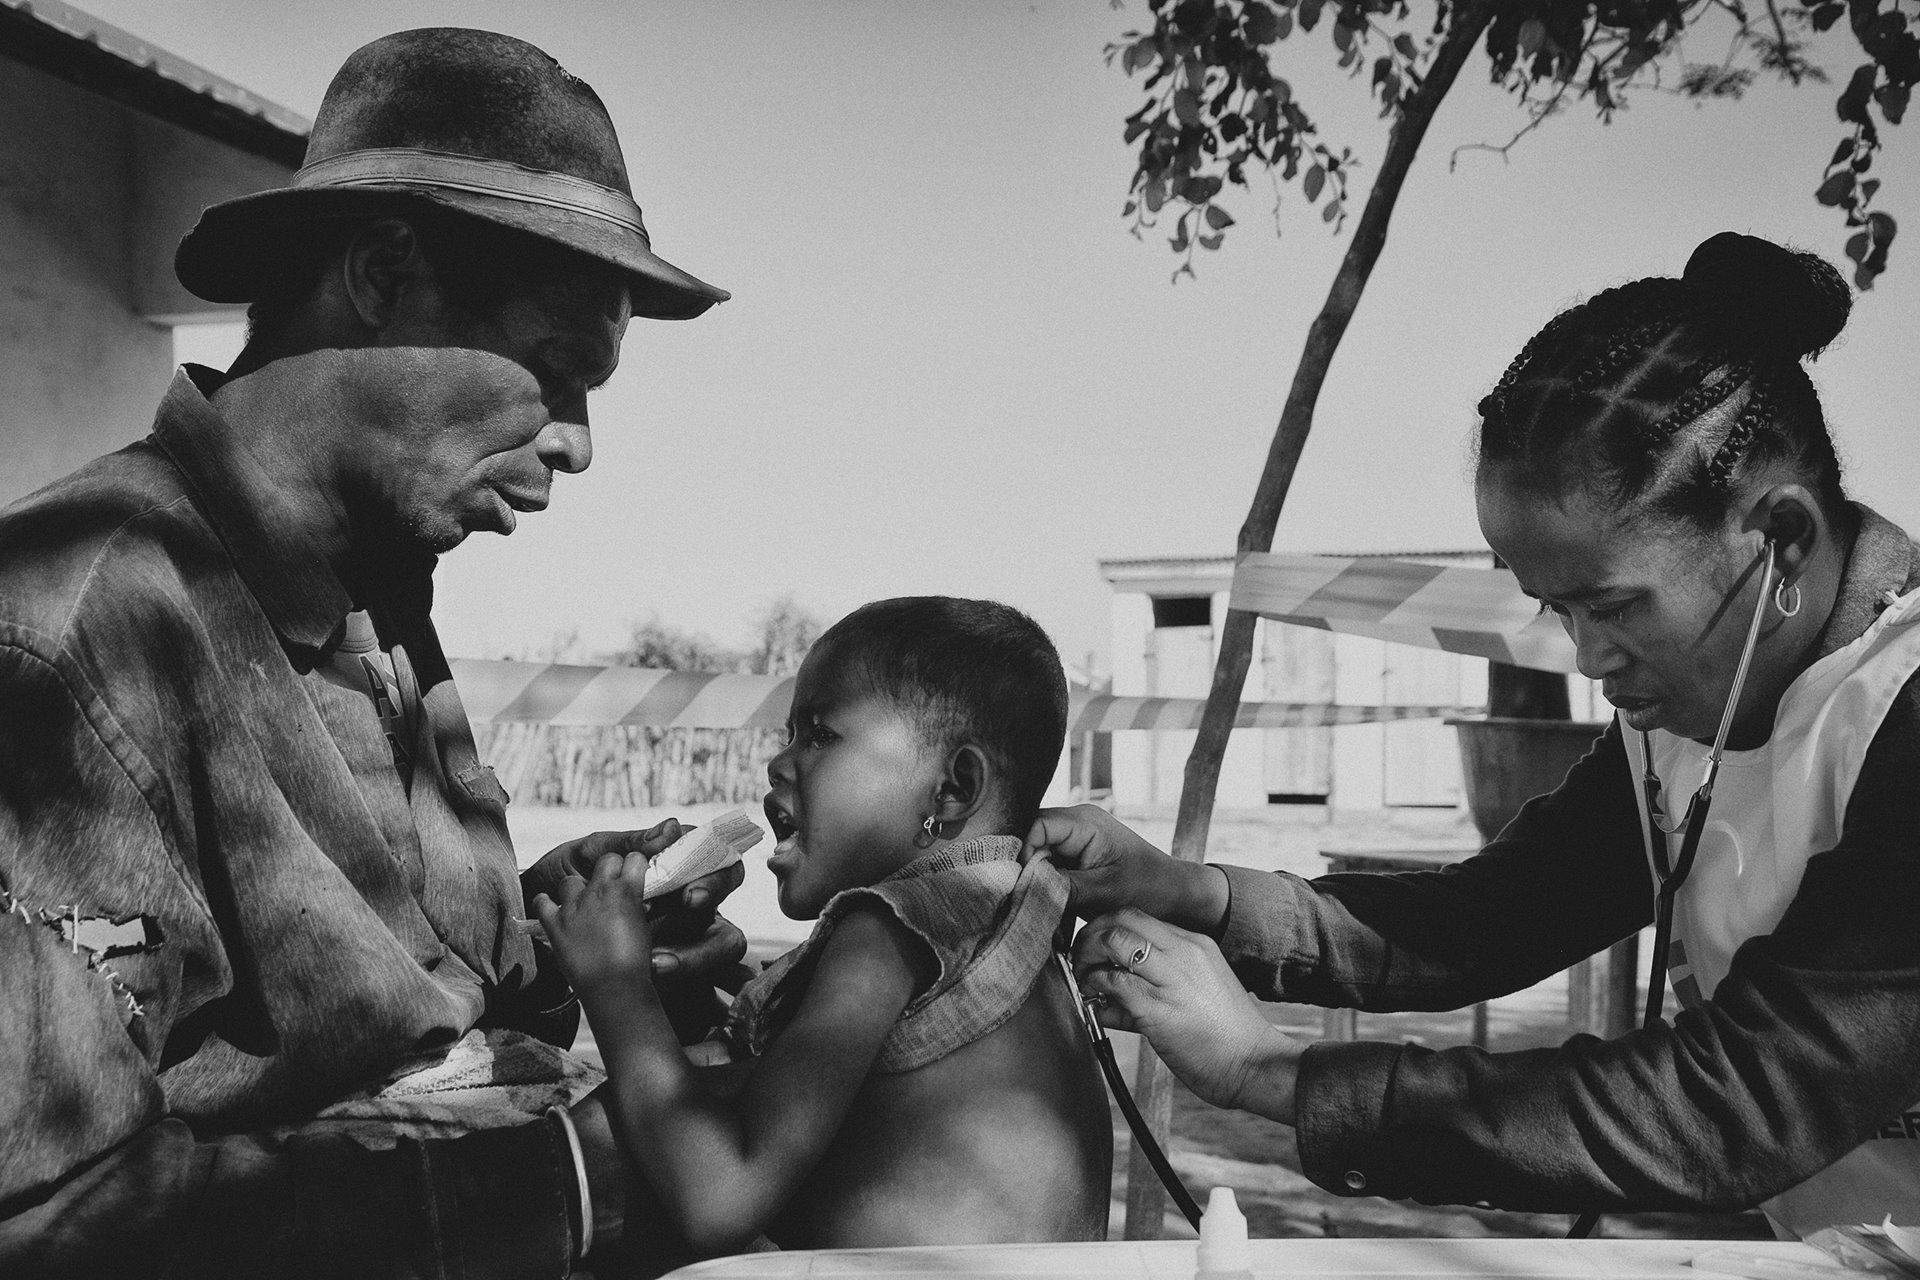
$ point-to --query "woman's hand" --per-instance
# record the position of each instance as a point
(599, 928)
(1174, 988)
(1108, 866)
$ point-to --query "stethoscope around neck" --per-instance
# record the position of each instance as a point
(1670, 875)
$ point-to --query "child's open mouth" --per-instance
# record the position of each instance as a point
(782, 824)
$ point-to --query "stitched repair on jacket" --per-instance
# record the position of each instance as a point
(100, 938)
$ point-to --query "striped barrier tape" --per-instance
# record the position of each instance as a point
(1481, 613)
(1104, 713)
(556, 693)
(564, 694)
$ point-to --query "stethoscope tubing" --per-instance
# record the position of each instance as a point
(1694, 825)
(1110, 1068)
(1669, 880)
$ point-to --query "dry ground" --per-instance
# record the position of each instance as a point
(1256, 1157)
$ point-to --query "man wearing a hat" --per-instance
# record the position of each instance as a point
(270, 1005)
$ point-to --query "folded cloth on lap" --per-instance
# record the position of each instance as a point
(491, 1079)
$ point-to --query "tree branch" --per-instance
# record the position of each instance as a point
(1145, 1200)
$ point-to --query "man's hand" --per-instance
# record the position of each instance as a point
(579, 857)
(1108, 866)
(690, 940)
(1174, 988)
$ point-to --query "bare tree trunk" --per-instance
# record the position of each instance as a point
(1146, 1199)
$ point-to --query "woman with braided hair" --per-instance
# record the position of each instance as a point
(1655, 468)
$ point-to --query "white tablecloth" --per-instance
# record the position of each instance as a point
(1451, 1259)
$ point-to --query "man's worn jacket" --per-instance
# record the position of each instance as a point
(223, 906)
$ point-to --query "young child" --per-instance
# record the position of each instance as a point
(914, 1072)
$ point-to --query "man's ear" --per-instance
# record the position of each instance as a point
(382, 263)
(964, 786)
(1790, 518)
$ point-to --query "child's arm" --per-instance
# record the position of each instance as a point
(725, 1167)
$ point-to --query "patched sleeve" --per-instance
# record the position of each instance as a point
(105, 927)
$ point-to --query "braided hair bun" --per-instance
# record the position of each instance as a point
(1789, 303)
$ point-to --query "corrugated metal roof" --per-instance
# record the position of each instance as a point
(77, 47)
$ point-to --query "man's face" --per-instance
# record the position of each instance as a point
(489, 404)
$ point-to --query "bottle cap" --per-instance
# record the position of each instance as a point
(1223, 1235)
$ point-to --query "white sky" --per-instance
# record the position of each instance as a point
(948, 368)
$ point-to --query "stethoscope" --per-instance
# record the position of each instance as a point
(1103, 1052)
(1669, 876)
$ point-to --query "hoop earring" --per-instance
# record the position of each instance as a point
(1780, 591)
(929, 832)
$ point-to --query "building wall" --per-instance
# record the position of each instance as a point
(1355, 767)
(1149, 766)
(93, 198)
(79, 369)
(1243, 768)
(1133, 753)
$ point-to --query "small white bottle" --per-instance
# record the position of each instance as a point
(1224, 1253)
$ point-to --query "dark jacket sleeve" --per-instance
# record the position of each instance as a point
(1567, 878)
(1804, 1051)
(95, 1177)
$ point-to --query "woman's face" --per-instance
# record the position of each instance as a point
(1658, 610)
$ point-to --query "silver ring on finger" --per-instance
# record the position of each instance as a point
(1138, 957)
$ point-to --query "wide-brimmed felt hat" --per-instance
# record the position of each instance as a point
(471, 121)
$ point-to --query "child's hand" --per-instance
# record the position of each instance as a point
(1109, 866)
(599, 927)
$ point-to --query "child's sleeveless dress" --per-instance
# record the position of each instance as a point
(989, 922)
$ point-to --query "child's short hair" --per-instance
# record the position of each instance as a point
(967, 670)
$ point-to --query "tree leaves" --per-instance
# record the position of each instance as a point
(1893, 101)
(1868, 248)
(1262, 25)
(1214, 106)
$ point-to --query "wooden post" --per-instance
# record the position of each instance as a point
(1145, 1210)
(1623, 987)
(1603, 991)
(1146, 1198)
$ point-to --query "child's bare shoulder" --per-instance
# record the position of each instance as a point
(866, 960)
(870, 948)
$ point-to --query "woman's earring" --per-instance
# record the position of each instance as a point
(1780, 596)
(928, 833)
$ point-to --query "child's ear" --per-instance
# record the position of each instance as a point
(964, 786)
